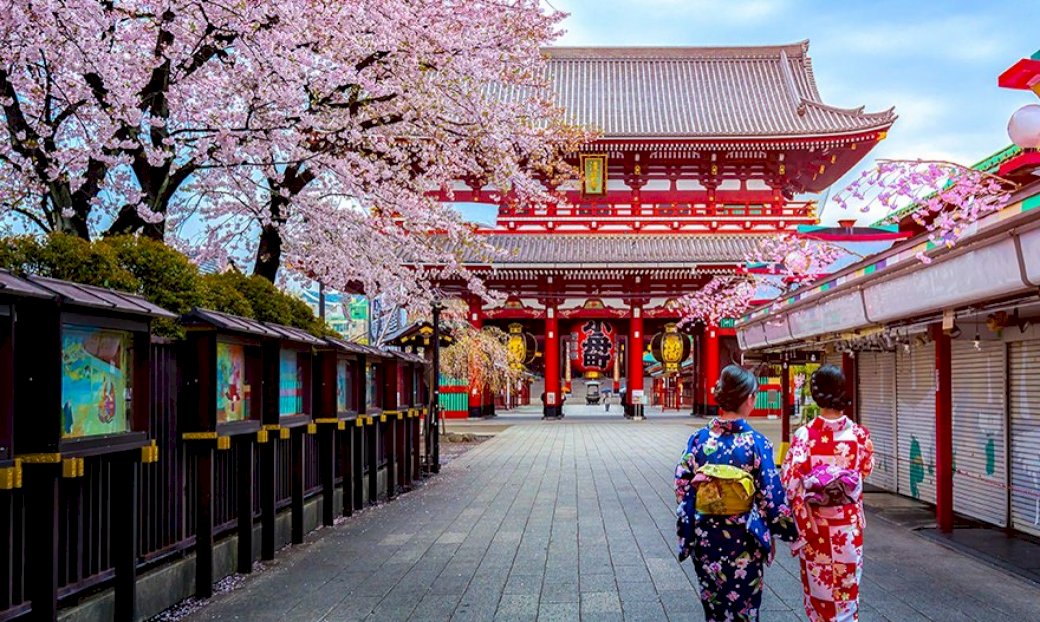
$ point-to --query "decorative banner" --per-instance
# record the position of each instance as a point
(670, 348)
(522, 344)
(594, 354)
(594, 174)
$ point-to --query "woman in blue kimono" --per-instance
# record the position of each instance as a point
(729, 530)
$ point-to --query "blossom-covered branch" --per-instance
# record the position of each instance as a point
(722, 297)
(791, 259)
(942, 197)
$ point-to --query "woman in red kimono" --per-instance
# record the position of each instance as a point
(823, 474)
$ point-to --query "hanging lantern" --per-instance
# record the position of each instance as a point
(670, 348)
(797, 262)
(594, 354)
(521, 344)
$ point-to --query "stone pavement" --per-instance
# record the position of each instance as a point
(570, 519)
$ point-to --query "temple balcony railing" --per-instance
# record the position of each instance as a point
(671, 216)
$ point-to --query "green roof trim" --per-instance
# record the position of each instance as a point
(987, 165)
(1032, 202)
(871, 269)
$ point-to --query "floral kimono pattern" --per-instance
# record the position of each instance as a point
(729, 552)
(831, 547)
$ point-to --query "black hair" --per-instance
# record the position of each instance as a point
(828, 388)
(734, 386)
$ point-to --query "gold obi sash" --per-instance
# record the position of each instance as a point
(726, 490)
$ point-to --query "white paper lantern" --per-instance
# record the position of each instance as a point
(797, 262)
(1024, 127)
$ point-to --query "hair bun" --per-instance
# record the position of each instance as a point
(828, 388)
(734, 386)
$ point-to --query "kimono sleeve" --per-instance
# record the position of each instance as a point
(685, 470)
(796, 467)
(865, 452)
(772, 500)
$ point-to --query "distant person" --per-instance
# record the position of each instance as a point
(731, 504)
(823, 473)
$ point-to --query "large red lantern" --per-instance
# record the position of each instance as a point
(595, 347)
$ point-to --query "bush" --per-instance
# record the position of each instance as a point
(159, 273)
(222, 292)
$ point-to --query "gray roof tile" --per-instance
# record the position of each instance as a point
(699, 92)
(643, 249)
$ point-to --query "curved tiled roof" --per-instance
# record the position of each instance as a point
(701, 92)
(614, 249)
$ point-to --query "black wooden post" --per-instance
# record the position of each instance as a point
(358, 465)
(372, 457)
(204, 520)
(435, 409)
(327, 472)
(124, 523)
(416, 435)
(404, 450)
(41, 530)
(245, 468)
(269, 450)
(267, 494)
(389, 430)
(298, 440)
(345, 444)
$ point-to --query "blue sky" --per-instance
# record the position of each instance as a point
(936, 62)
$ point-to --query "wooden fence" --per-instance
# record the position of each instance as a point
(314, 461)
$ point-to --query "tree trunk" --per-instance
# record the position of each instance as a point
(128, 221)
(268, 252)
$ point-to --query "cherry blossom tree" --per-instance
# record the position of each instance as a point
(483, 358)
(943, 197)
(313, 134)
(108, 107)
(402, 108)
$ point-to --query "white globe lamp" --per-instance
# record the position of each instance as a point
(1024, 127)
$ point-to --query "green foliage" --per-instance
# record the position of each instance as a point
(69, 258)
(157, 272)
(222, 292)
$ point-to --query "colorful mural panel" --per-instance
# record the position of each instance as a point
(95, 381)
(290, 384)
(232, 389)
(342, 386)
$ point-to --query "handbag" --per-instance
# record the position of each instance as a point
(723, 490)
(829, 485)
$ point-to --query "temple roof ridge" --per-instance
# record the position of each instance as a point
(797, 49)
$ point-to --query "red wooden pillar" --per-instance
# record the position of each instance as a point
(475, 396)
(635, 363)
(943, 432)
(711, 367)
(553, 399)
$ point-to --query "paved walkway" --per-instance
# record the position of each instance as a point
(568, 519)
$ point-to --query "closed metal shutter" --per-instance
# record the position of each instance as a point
(979, 452)
(915, 416)
(833, 358)
(876, 388)
(1024, 390)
